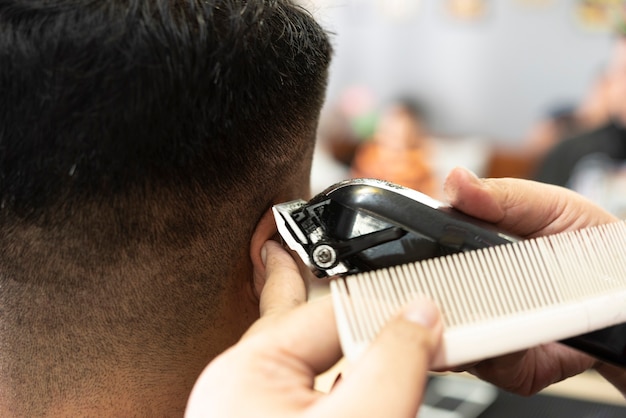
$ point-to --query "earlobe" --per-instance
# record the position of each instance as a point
(264, 231)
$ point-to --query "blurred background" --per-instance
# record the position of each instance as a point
(533, 89)
(518, 88)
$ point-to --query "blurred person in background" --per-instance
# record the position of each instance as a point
(602, 148)
(565, 121)
(399, 150)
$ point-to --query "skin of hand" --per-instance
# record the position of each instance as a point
(272, 369)
(530, 209)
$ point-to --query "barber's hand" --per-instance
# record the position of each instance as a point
(530, 209)
(271, 371)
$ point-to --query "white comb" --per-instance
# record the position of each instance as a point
(498, 299)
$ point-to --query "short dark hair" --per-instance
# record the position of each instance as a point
(122, 122)
(97, 96)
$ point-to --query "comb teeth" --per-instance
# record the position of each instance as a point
(497, 291)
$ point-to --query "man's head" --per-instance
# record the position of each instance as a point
(141, 142)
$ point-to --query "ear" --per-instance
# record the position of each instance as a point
(265, 230)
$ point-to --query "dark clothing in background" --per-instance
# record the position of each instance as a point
(608, 141)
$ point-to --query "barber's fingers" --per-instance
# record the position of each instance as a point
(615, 375)
(503, 201)
(390, 377)
(521, 207)
(284, 287)
(529, 371)
(307, 335)
(306, 331)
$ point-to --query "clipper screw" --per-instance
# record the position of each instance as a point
(324, 256)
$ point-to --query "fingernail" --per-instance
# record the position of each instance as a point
(337, 380)
(264, 253)
(470, 175)
(422, 311)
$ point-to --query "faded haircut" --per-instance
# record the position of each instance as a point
(122, 122)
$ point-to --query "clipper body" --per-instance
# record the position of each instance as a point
(365, 224)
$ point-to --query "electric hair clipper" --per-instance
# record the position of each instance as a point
(361, 225)
(365, 224)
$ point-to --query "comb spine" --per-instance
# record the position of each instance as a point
(475, 342)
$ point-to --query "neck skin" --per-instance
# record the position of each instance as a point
(116, 394)
(151, 386)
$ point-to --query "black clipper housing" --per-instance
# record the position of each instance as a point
(365, 224)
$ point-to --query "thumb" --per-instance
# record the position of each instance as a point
(521, 207)
(390, 377)
(283, 290)
(284, 287)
